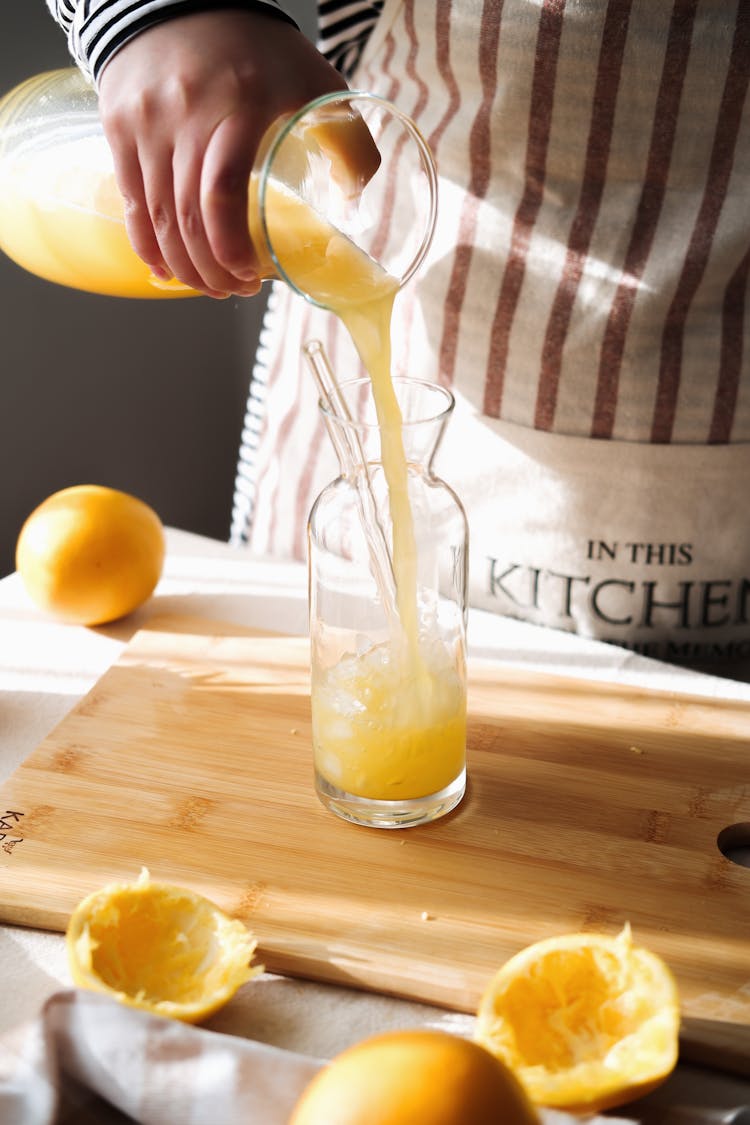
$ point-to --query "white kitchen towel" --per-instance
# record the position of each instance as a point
(85, 1053)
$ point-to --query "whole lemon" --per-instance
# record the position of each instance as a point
(399, 1077)
(90, 554)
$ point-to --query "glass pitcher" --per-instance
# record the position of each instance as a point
(313, 222)
(387, 586)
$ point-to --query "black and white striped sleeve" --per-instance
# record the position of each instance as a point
(96, 29)
(344, 26)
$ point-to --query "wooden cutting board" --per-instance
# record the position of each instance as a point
(588, 805)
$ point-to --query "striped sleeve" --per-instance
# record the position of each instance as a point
(344, 26)
(96, 29)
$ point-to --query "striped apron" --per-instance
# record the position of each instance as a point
(585, 297)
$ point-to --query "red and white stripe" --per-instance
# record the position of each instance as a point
(589, 272)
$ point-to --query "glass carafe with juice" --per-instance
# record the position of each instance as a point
(314, 222)
(388, 544)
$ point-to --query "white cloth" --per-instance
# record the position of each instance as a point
(155, 1070)
(85, 1047)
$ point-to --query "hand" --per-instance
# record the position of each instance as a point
(184, 106)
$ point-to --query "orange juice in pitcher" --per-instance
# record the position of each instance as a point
(62, 216)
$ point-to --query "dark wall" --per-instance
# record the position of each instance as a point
(147, 396)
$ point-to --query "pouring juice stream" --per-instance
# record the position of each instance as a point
(388, 724)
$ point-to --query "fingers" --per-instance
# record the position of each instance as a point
(217, 272)
(137, 217)
(225, 174)
(159, 156)
(165, 222)
(184, 105)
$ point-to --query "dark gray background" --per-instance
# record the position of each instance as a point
(147, 396)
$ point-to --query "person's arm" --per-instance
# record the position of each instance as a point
(97, 29)
(344, 27)
(184, 103)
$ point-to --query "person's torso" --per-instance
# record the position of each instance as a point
(584, 297)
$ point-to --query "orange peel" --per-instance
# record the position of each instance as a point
(158, 947)
(587, 1021)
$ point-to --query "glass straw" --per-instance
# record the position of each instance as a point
(351, 455)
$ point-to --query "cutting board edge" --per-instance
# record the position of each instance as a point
(186, 624)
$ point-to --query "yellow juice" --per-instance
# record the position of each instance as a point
(389, 724)
(62, 218)
(378, 734)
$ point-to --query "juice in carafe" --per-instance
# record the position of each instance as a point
(389, 723)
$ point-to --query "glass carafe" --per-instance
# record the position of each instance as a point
(387, 585)
(326, 180)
